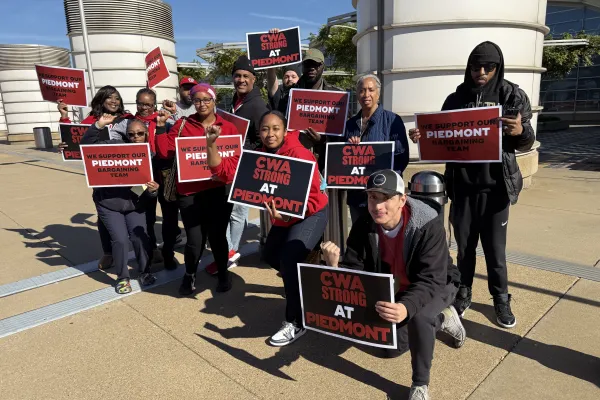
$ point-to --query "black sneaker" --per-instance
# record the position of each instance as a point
(504, 315)
(187, 285)
(224, 285)
(147, 279)
(170, 263)
(462, 302)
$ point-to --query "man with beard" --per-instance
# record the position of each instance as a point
(184, 107)
(482, 193)
(278, 94)
(247, 103)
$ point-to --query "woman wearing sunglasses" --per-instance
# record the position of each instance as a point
(203, 205)
(122, 210)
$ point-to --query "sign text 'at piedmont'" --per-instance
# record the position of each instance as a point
(117, 164)
(241, 124)
(71, 134)
(66, 84)
(323, 110)
(263, 177)
(341, 302)
(469, 135)
(192, 157)
(268, 50)
(348, 166)
(156, 69)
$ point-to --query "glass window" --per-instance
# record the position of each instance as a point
(589, 83)
(556, 15)
(559, 106)
(591, 13)
(588, 72)
(571, 27)
(563, 95)
(565, 84)
(588, 105)
(591, 94)
(592, 24)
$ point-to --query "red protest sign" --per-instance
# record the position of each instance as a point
(268, 50)
(469, 135)
(325, 111)
(66, 84)
(71, 134)
(156, 69)
(127, 164)
(191, 156)
(242, 124)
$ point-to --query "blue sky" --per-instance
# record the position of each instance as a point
(196, 22)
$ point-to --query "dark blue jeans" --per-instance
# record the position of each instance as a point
(288, 246)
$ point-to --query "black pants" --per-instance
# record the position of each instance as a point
(288, 246)
(104, 238)
(170, 224)
(205, 215)
(122, 228)
(482, 215)
(418, 334)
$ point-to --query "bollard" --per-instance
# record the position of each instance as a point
(429, 185)
(338, 225)
(42, 137)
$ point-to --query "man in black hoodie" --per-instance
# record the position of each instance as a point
(406, 237)
(247, 103)
(481, 193)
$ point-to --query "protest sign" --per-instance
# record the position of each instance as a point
(66, 84)
(263, 177)
(472, 135)
(192, 158)
(341, 302)
(242, 124)
(156, 69)
(268, 50)
(348, 166)
(325, 111)
(71, 134)
(117, 164)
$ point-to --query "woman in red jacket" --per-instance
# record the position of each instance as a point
(290, 240)
(203, 205)
(107, 100)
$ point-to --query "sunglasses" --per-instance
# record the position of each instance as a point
(488, 67)
(136, 134)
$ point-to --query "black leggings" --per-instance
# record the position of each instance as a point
(205, 215)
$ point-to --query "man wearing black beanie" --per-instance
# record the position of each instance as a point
(481, 193)
(278, 94)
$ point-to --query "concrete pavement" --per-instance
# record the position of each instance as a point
(157, 345)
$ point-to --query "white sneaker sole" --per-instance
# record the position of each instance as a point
(296, 337)
(235, 258)
(505, 325)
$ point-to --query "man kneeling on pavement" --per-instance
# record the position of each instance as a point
(406, 237)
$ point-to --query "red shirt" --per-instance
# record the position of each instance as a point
(392, 252)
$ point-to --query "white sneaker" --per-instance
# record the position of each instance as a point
(419, 393)
(232, 262)
(287, 334)
(453, 327)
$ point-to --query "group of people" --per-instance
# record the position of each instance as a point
(391, 232)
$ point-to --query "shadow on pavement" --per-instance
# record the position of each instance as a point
(262, 316)
(561, 359)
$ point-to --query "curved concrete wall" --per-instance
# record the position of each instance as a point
(2, 117)
(120, 33)
(24, 108)
(427, 44)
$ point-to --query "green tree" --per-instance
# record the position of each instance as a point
(199, 74)
(336, 43)
(560, 60)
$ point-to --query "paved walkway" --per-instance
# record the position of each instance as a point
(154, 344)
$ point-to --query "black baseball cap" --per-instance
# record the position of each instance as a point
(386, 181)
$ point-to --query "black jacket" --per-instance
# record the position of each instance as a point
(121, 199)
(428, 263)
(510, 96)
(253, 108)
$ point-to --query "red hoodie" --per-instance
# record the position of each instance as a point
(165, 147)
(317, 200)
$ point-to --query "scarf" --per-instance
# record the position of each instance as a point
(150, 121)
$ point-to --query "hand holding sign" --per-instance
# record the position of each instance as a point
(354, 140)
(414, 134)
(273, 210)
(63, 109)
(212, 133)
(313, 135)
(152, 186)
(391, 312)
(106, 119)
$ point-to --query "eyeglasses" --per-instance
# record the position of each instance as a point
(486, 67)
(203, 101)
(136, 134)
(144, 105)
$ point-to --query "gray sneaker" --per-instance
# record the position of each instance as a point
(419, 393)
(453, 327)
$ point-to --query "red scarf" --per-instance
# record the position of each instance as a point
(150, 120)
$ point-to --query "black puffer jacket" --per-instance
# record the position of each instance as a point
(429, 266)
(510, 96)
(253, 107)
